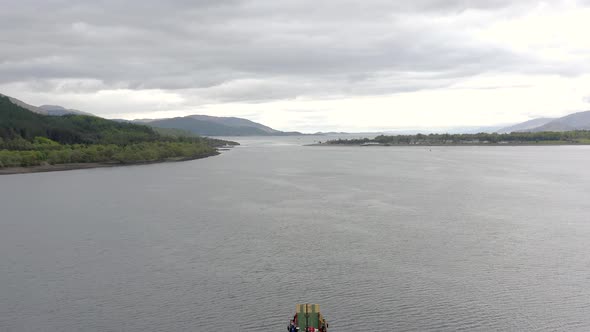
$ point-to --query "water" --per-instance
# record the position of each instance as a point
(397, 238)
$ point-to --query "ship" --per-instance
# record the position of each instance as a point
(307, 319)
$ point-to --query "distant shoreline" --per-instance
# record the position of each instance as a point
(450, 144)
(74, 166)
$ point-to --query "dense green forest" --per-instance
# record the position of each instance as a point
(549, 137)
(29, 139)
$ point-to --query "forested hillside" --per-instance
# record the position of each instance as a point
(29, 139)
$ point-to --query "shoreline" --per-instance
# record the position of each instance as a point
(75, 166)
(458, 144)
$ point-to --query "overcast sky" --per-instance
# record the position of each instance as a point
(308, 65)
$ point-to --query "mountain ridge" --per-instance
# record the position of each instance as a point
(574, 121)
(30, 139)
(52, 110)
(207, 125)
(56, 110)
(204, 125)
(530, 124)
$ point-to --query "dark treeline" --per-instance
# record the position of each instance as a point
(48, 153)
(19, 123)
(566, 137)
(29, 139)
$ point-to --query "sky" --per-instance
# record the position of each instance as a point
(306, 65)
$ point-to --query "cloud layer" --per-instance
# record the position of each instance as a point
(269, 58)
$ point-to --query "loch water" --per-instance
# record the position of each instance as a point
(383, 238)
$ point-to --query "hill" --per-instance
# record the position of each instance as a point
(18, 123)
(203, 125)
(575, 121)
(216, 126)
(56, 110)
(52, 110)
(31, 139)
(524, 126)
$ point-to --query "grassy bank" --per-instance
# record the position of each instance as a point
(73, 166)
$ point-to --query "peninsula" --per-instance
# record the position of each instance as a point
(33, 142)
(577, 137)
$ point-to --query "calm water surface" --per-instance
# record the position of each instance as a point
(385, 239)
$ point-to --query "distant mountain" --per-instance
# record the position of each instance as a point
(330, 133)
(575, 121)
(56, 110)
(468, 130)
(52, 110)
(525, 126)
(235, 122)
(206, 125)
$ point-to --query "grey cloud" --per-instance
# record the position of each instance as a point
(235, 50)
